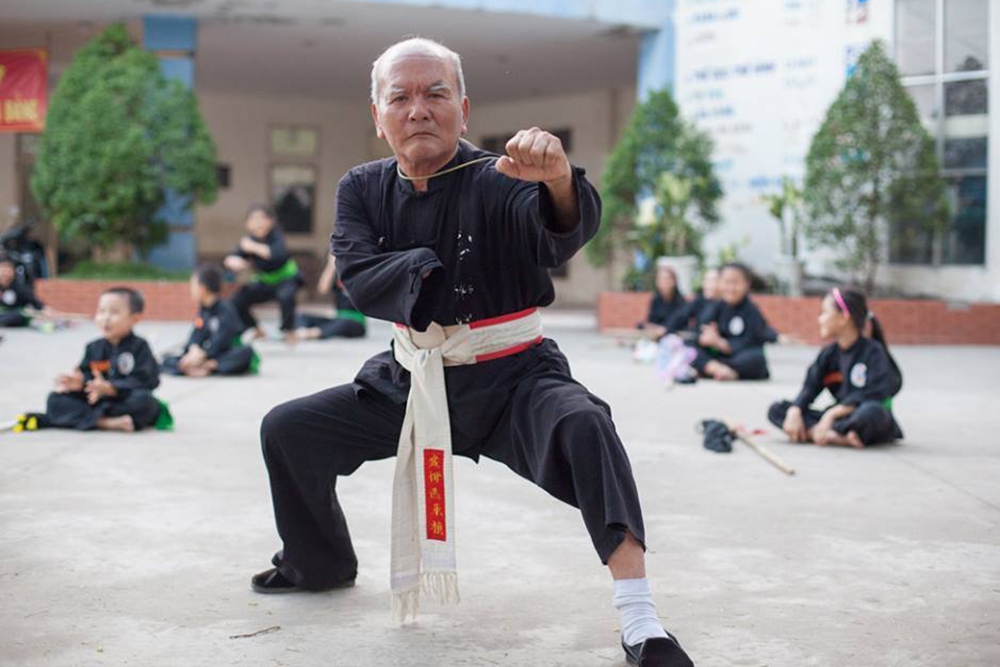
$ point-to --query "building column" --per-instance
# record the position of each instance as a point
(173, 39)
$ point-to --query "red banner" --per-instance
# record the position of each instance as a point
(24, 86)
(437, 526)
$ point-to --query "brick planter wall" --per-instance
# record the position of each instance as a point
(165, 300)
(905, 322)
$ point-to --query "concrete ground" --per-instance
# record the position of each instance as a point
(137, 549)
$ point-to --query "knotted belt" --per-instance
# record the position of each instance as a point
(423, 504)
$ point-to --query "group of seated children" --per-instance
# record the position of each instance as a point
(721, 334)
(112, 387)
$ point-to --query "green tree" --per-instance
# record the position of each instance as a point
(785, 207)
(656, 141)
(872, 167)
(118, 136)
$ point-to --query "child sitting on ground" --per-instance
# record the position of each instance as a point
(16, 297)
(347, 322)
(731, 341)
(689, 318)
(214, 346)
(667, 301)
(112, 388)
(277, 275)
(860, 373)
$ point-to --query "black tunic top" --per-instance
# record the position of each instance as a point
(863, 372)
(743, 325)
(17, 295)
(486, 242)
(341, 300)
(215, 328)
(693, 314)
(127, 366)
(274, 240)
(662, 311)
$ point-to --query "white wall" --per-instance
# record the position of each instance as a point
(762, 119)
(240, 125)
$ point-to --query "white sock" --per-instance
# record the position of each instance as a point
(634, 601)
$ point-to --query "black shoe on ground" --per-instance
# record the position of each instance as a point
(273, 581)
(657, 652)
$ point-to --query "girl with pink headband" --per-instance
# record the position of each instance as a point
(857, 370)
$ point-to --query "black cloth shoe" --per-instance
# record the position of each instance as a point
(273, 581)
(657, 652)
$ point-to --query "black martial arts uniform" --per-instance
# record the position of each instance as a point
(746, 330)
(662, 311)
(349, 322)
(475, 245)
(14, 298)
(217, 331)
(864, 376)
(130, 367)
(688, 319)
(277, 278)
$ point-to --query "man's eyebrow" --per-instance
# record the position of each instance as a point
(438, 85)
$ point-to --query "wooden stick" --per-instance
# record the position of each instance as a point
(766, 453)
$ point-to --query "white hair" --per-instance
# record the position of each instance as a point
(419, 46)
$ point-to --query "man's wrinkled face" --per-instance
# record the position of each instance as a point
(420, 110)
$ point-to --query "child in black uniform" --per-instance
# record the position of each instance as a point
(731, 342)
(15, 296)
(112, 388)
(667, 301)
(214, 346)
(347, 322)
(687, 321)
(277, 275)
(859, 372)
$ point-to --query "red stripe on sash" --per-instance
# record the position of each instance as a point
(479, 324)
(437, 524)
(480, 358)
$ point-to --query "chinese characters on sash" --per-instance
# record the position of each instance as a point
(434, 490)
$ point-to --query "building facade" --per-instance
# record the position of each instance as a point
(283, 89)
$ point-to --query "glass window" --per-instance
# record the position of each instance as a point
(915, 36)
(965, 241)
(966, 35)
(293, 194)
(910, 243)
(965, 153)
(965, 98)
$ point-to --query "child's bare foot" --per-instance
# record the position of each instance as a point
(123, 423)
(197, 372)
(311, 333)
(258, 333)
(852, 439)
(721, 372)
(290, 338)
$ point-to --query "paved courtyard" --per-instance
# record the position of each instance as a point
(137, 549)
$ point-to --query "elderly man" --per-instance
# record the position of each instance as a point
(454, 246)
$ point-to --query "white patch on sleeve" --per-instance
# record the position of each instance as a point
(859, 375)
(9, 297)
(737, 326)
(213, 324)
